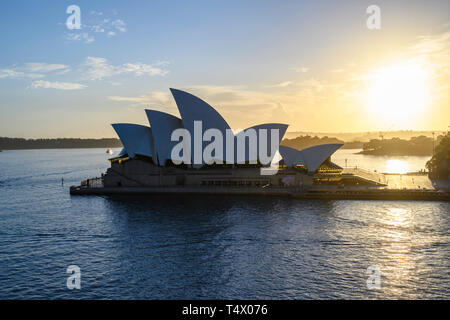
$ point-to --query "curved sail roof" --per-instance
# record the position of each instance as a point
(155, 141)
(195, 109)
(163, 124)
(314, 156)
(265, 126)
(291, 156)
(136, 139)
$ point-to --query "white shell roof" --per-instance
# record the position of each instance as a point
(266, 126)
(136, 139)
(163, 124)
(316, 155)
(291, 156)
(156, 141)
(193, 109)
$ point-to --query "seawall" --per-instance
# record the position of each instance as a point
(350, 194)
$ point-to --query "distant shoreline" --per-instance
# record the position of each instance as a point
(382, 153)
(416, 146)
(61, 143)
(63, 148)
(362, 152)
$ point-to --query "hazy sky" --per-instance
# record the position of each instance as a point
(312, 64)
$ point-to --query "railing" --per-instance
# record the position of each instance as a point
(92, 183)
(374, 176)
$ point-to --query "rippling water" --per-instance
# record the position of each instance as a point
(207, 247)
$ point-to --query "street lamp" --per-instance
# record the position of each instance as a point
(433, 142)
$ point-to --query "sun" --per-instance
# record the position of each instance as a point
(399, 93)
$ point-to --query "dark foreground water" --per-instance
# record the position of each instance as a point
(174, 247)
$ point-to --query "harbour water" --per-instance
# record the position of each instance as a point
(195, 247)
(382, 164)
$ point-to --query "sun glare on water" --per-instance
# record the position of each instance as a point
(399, 93)
(396, 166)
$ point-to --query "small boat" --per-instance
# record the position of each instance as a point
(109, 151)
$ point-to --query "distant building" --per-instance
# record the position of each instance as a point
(147, 156)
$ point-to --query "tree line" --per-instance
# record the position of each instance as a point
(439, 165)
(416, 146)
(60, 143)
(303, 142)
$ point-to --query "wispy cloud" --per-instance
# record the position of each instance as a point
(98, 13)
(57, 85)
(97, 68)
(45, 67)
(300, 69)
(433, 52)
(97, 23)
(288, 101)
(14, 73)
(33, 70)
(281, 84)
(156, 99)
(82, 36)
(98, 28)
(92, 68)
(119, 25)
(108, 26)
(9, 73)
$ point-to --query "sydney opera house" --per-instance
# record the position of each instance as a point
(146, 159)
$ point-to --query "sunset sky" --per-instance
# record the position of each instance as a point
(311, 64)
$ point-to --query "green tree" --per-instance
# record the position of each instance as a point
(439, 164)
